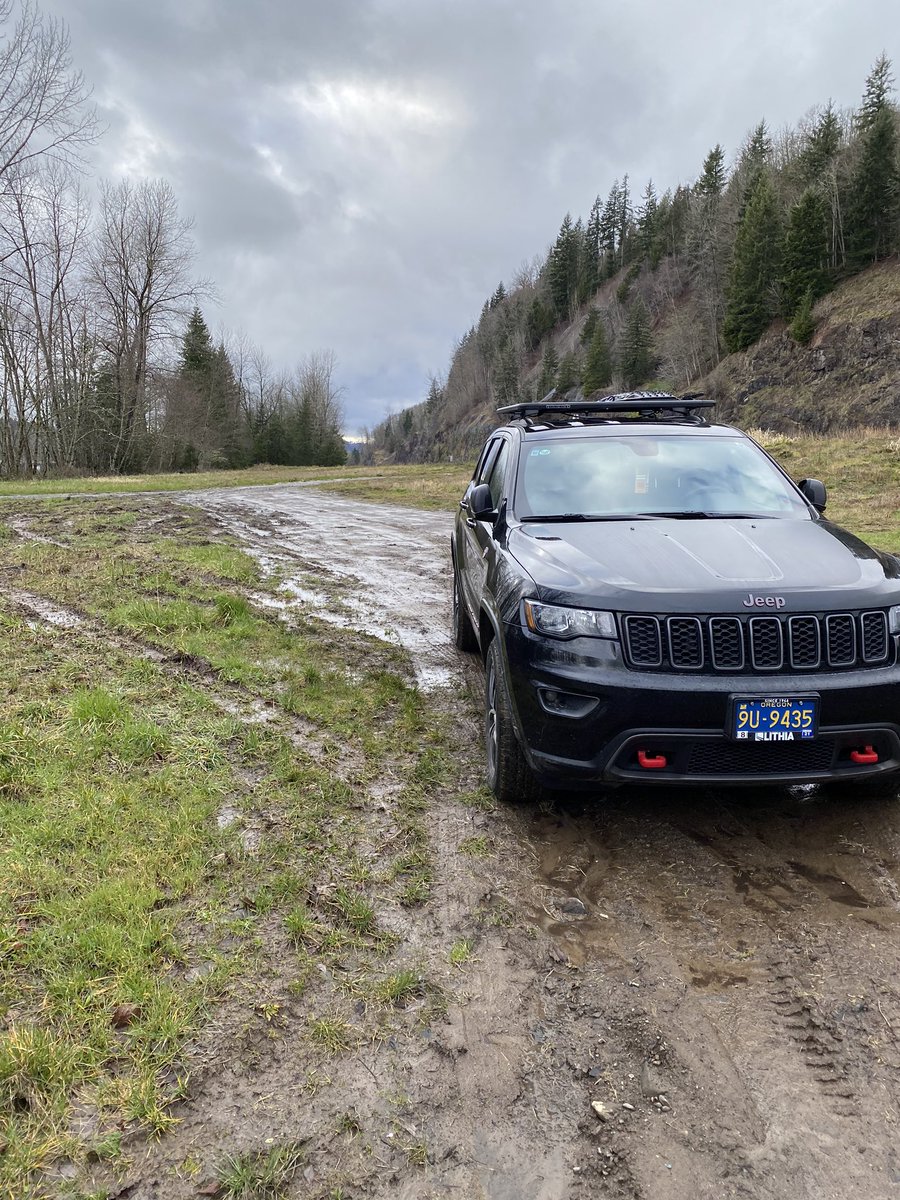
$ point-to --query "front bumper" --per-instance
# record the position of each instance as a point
(682, 719)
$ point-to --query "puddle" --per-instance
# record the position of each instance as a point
(49, 614)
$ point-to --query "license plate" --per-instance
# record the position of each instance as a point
(774, 718)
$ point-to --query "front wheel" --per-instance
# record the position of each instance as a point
(508, 775)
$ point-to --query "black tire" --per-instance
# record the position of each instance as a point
(508, 775)
(463, 633)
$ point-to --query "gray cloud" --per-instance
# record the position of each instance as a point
(363, 172)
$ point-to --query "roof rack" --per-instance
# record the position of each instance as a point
(653, 406)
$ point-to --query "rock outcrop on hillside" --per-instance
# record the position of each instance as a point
(848, 374)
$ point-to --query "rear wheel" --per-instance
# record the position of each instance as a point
(463, 633)
(508, 775)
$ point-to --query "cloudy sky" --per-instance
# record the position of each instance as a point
(362, 173)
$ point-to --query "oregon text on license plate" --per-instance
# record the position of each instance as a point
(773, 719)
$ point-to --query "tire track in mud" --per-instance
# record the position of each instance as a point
(771, 944)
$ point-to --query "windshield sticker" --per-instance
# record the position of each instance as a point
(538, 453)
(641, 484)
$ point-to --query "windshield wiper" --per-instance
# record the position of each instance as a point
(696, 514)
(591, 517)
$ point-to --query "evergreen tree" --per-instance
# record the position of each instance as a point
(597, 372)
(563, 267)
(608, 231)
(805, 252)
(435, 398)
(589, 267)
(647, 226)
(636, 359)
(822, 146)
(539, 320)
(712, 178)
(874, 207)
(549, 367)
(196, 351)
(756, 266)
(803, 326)
(590, 324)
(625, 219)
(506, 373)
(567, 374)
(876, 97)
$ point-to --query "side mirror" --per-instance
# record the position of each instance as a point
(481, 506)
(814, 491)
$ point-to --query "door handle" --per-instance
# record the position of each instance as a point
(471, 522)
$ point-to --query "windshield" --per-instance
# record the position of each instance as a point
(655, 476)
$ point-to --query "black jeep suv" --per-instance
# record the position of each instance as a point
(656, 600)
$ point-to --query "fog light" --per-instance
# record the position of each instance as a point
(566, 704)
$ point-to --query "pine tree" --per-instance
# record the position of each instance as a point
(196, 350)
(822, 146)
(435, 398)
(597, 372)
(563, 267)
(751, 301)
(590, 324)
(549, 367)
(539, 320)
(647, 226)
(567, 374)
(805, 252)
(608, 228)
(712, 178)
(803, 326)
(636, 359)
(876, 97)
(506, 373)
(874, 204)
(589, 267)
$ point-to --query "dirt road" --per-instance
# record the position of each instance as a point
(673, 995)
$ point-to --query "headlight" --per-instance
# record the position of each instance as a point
(894, 618)
(553, 621)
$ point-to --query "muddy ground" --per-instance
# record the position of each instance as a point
(716, 970)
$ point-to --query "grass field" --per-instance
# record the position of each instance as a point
(145, 725)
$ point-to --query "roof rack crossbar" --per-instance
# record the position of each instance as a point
(658, 406)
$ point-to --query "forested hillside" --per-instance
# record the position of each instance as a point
(106, 363)
(756, 283)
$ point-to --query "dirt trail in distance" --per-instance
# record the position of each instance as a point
(718, 970)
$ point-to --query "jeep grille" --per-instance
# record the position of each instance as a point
(711, 644)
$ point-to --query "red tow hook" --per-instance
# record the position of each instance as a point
(652, 762)
(867, 756)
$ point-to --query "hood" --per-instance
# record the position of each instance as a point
(704, 565)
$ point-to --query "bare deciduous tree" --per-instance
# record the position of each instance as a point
(143, 290)
(42, 99)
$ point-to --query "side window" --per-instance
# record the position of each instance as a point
(498, 473)
(485, 466)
